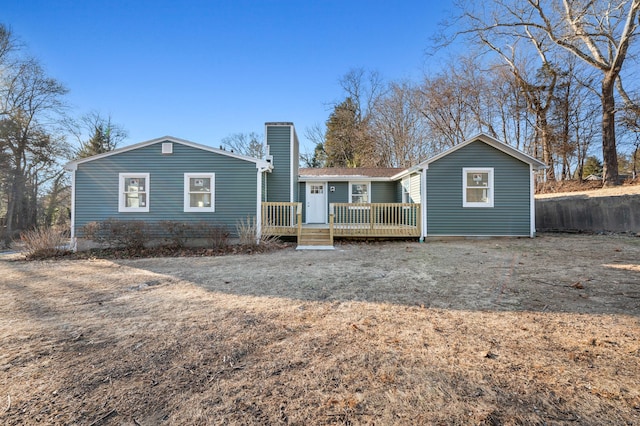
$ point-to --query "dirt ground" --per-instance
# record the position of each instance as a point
(488, 332)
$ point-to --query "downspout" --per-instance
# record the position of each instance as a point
(262, 167)
(423, 199)
(532, 202)
(73, 241)
(259, 205)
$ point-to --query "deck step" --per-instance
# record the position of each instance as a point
(315, 238)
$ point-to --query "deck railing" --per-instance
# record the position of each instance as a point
(376, 219)
(281, 218)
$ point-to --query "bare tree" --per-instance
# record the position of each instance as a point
(399, 129)
(364, 88)
(249, 144)
(597, 32)
(444, 102)
(317, 157)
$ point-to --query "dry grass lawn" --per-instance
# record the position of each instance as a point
(487, 332)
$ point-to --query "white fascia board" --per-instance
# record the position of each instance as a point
(74, 164)
(407, 172)
(343, 178)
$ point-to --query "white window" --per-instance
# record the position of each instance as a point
(133, 192)
(316, 189)
(477, 187)
(199, 192)
(406, 190)
(359, 192)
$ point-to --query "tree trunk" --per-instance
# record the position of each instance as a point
(14, 203)
(547, 150)
(609, 152)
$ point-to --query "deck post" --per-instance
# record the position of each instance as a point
(299, 219)
(331, 225)
(371, 213)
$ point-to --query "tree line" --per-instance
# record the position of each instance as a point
(552, 78)
(36, 138)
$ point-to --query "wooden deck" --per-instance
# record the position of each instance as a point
(359, 220)
(375, 219)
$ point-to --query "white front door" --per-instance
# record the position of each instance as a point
(316, 202)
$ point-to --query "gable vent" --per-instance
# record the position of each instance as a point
(167, 148)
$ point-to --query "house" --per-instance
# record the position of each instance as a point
(166, 179)
(481, 187)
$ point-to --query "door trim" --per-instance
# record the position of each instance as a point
(324, 202)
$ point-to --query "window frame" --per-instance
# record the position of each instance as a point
(405, 184)
(351, 194)
(490, 187)
(187, 193)
(122, 204)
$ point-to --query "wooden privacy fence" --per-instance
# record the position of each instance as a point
(281, 218)
(375, 219)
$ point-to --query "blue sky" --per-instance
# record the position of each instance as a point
(202, 70)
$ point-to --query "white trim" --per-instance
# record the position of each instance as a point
(122, 208)
(489, 188)
(359, 182)
(405, 189)
(73, 206)
(532, 231)
(259, 206)
(294, 158)
(406, 172)
(342, 178)
(167, 148)
(423, 200)
(258, 162)
(188, 208)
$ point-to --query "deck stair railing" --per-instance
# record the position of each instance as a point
(281, 218)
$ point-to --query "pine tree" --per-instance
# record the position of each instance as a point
(348, 141)
(100, 142)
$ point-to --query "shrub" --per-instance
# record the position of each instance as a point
(248, 231)
(217, 236)
(178, 232)
(131, 234)
(44, 242)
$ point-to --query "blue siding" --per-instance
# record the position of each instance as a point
(511, 212)
(235, 186)
(279, 180)
(384, 192)
(341, 194)
(301, 196)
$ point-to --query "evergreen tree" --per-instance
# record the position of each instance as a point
(348, 141)
(100, 142)
(592, 166)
